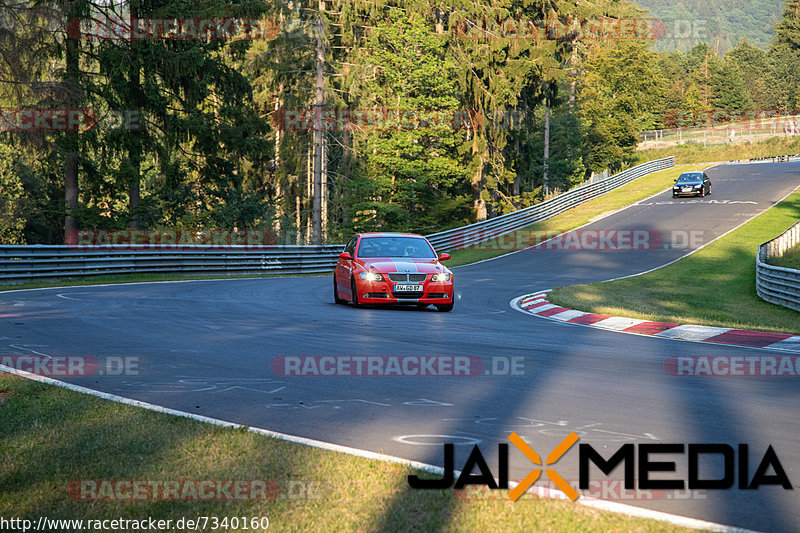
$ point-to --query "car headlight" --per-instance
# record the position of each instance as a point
(443, 276)
(370, 276)
(697, 186)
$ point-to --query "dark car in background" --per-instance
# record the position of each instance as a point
(692, 184)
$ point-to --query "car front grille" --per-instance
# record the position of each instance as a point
(398, 277)
(407, 295)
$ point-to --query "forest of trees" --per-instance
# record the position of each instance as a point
(719, 23)
(450, 120)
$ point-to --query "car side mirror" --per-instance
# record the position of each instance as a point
(346, 256)
(444, 257)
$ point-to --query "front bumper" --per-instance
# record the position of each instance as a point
(382, 292)
(696, 192)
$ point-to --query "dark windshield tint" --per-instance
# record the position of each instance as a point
(395, 247)
(690, 178)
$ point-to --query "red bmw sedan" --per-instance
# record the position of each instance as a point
(392, 268)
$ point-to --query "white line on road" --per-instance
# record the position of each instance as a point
(614, 507)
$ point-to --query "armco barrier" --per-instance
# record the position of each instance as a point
(18, 263)
(778, 285)
(33, 262)
(494, 227)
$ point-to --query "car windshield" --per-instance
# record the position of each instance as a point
(690, 178)
(395, 247)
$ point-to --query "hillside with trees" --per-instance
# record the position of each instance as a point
(341, 116)
(719, 23)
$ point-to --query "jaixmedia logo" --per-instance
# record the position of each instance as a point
(726, 461)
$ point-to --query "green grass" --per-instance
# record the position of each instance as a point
(790, 259)
(578, 216)
(714, 286)
(695, 153)
(52, 436)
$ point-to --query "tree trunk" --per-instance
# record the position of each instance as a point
(309, 197)
(323, 190)
(573, 65)
(546, 156)
(515, 186)
(478, 186)
(319, 102)
(134, 140)
(279, 212)
(71, 157)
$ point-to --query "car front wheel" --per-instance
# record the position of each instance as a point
(354, 292)
(336, 292)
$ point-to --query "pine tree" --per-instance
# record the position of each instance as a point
(411, 177)
(787, 34)
(194, 142)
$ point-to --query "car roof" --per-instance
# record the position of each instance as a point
(390, 235)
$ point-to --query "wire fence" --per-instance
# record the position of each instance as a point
(754, 128)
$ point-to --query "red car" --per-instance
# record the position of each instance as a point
(392, 268)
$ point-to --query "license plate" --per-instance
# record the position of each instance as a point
(687, 189)
(408, 288)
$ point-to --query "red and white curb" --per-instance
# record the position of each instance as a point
(536, 304)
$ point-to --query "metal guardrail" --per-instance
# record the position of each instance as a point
(488, 229)
(774, 284)
(19, 263)
(36, 262)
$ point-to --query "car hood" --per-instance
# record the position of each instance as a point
(687, 183)
(387, 265)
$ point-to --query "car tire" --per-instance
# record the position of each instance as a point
(702, 192)
(445, 308)
(354, 292)
(674, 195)
(336, 292)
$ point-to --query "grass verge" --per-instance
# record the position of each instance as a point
(694, 152)
(52, 437)
(790, 259)
(577, 216)
(714, 286)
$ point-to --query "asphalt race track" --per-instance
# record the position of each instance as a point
(205, 347)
